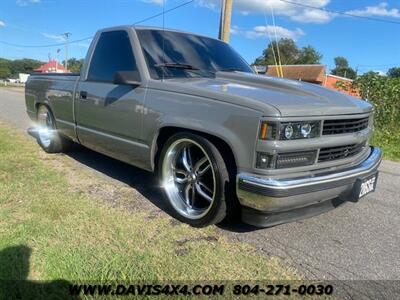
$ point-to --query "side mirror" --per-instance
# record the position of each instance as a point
(127, 77)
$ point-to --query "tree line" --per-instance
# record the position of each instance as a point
(291, 54)
(11, 68)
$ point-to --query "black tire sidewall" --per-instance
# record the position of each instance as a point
(217, 211)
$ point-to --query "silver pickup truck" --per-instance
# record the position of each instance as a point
(223, 140)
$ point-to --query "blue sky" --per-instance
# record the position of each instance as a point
(368, 45)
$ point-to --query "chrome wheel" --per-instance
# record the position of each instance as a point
(188, 178)
(46, 128)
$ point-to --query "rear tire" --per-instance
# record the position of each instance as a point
(194, 179)
(47, 136)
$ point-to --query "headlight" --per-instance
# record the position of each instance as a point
(299, 130)
(288, 133)
(289, 130)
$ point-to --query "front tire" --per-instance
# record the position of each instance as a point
(47, 136)
(194, 179)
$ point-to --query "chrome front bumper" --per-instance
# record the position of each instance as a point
(269, 201)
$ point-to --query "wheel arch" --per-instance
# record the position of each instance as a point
(45, 103)
(222, 145)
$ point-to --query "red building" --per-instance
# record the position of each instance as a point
(308, 73)
(314, 74)
(51, 67)
(332, 80)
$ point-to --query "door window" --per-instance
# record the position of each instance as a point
(113, 53)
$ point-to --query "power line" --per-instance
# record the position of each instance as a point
(165, 12)
(341, 13)
(44, 46)
(89, 37)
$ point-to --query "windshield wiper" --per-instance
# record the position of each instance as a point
(177, 66)
(187, 67)
(230, 70)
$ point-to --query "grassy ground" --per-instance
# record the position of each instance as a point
(10, 85)
(50, 231)
(389, 141)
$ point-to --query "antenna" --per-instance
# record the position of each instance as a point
(277, 42)
(163, 40)
(271, 42)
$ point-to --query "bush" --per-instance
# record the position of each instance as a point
(389, 140)
(384, 93)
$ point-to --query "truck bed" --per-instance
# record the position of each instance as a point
(56, 90)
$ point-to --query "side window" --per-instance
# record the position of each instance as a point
(113, 53)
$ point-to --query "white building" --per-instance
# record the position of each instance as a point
(23, 77)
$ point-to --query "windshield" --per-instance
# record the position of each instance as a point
(187, 55)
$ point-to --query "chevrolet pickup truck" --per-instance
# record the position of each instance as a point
(223, 140)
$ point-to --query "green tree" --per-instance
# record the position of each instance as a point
(290, 54)
(309, 56)
(74, 65)
(343, 69)
(288, 50)
(394, 72)
(341, 62)
(25, 65)
(5, 68)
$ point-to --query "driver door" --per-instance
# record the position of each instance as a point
(108, 115)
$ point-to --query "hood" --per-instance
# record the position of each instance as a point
(272, 96)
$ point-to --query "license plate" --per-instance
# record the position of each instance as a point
(364, 186)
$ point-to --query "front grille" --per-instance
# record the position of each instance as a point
(340, 152)
(344, 126)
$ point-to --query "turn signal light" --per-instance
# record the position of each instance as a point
(268, 131)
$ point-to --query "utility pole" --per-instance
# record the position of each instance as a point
(67, 35)
(225, 21)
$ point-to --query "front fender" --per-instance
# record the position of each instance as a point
(234, 124)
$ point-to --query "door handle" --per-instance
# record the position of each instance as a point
(83, 95)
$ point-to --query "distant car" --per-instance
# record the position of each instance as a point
(222, 139)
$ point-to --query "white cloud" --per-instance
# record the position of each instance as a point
(2, 24)
(55, 37)
(380, 10)
(208, 3)
(235, 29)
(83, 45)
(313, 16)
(269, 30)
(280, 8)
(27, 2)
(157, 2)
(298, 13)
(381, 73)
(281, 32)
